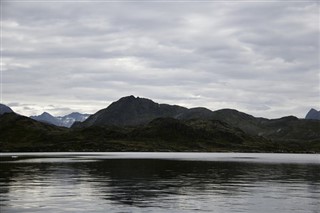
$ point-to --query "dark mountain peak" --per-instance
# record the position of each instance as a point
(5, 109)
(130, 111)
(132, 105)
(46, 117)
(134, 101)
(128, 98)
(46, 114)
(313, 114)
(43, 117)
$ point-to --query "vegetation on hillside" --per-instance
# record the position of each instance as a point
(22, 134)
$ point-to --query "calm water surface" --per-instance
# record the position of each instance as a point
(159, 182)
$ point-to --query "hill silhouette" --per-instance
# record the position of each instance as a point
(139, 124)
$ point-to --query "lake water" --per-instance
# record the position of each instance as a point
(159, 182)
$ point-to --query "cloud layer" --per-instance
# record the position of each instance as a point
(259, 57)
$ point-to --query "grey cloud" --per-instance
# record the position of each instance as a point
(13, 104)
(256, 57)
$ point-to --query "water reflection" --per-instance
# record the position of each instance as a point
(159, 185)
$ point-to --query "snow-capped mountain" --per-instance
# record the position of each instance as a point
(65, 121)
(68, 120)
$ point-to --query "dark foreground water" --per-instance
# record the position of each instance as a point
(159, 182)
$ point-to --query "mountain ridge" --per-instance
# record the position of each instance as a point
(284, 129)
(131, 111)
(20, 133)
(140, 124)
(65, 121)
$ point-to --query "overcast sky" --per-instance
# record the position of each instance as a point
(259, 57)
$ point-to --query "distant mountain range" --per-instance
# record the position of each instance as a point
(140, 124)
(65, 121)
